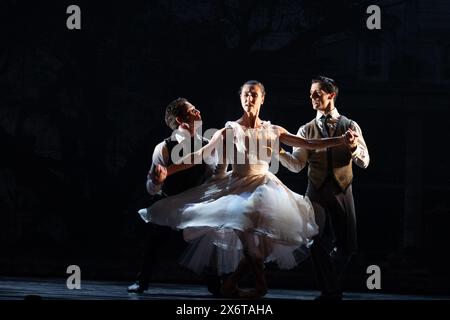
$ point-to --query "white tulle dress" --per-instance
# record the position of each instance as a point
(249, 202)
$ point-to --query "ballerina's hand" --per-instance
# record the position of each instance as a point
(351, 138)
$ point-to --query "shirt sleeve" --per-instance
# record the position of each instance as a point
(361, 154)
(161, 157)
(296, 160)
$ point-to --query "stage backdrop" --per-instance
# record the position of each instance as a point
(82, 102)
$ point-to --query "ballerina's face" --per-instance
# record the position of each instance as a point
(251, 98)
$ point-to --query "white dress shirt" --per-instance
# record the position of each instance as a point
(297, 160)
(161, 156)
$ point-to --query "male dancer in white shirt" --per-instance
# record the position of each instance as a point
(181, 117)
(329, 188)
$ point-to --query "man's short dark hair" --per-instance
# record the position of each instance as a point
(177, 108)
(327, 84)
(254, 83)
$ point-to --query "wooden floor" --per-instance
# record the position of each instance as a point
(56, 289)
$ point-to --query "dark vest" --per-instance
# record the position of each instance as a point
(320, 167)
(186, 179)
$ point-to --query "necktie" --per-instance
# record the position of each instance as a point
(326, 130)
(326, 133)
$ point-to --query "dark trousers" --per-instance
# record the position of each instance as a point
(332, 249)
(159, 241)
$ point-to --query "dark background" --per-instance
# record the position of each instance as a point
(81, 111)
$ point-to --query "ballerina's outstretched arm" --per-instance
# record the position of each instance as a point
(311, 144)
(189, 160)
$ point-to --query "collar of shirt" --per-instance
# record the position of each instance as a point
(182, 134)
(334, 115)
(331, 123)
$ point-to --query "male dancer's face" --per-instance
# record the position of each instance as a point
(190, 116)
(321, 100)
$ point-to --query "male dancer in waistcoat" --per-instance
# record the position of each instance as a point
(180, 114)
(329, 188)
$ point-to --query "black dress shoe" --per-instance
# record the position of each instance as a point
(138, 287)
(329, 297)
(214, 285)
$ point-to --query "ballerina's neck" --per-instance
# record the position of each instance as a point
(251, 123)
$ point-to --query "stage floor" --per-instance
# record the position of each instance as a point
(56, 289)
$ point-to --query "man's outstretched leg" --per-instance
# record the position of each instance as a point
(154, 237)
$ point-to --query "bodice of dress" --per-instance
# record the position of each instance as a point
(253, 147)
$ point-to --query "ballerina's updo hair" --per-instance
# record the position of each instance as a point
(175, 109)
(253, 83)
